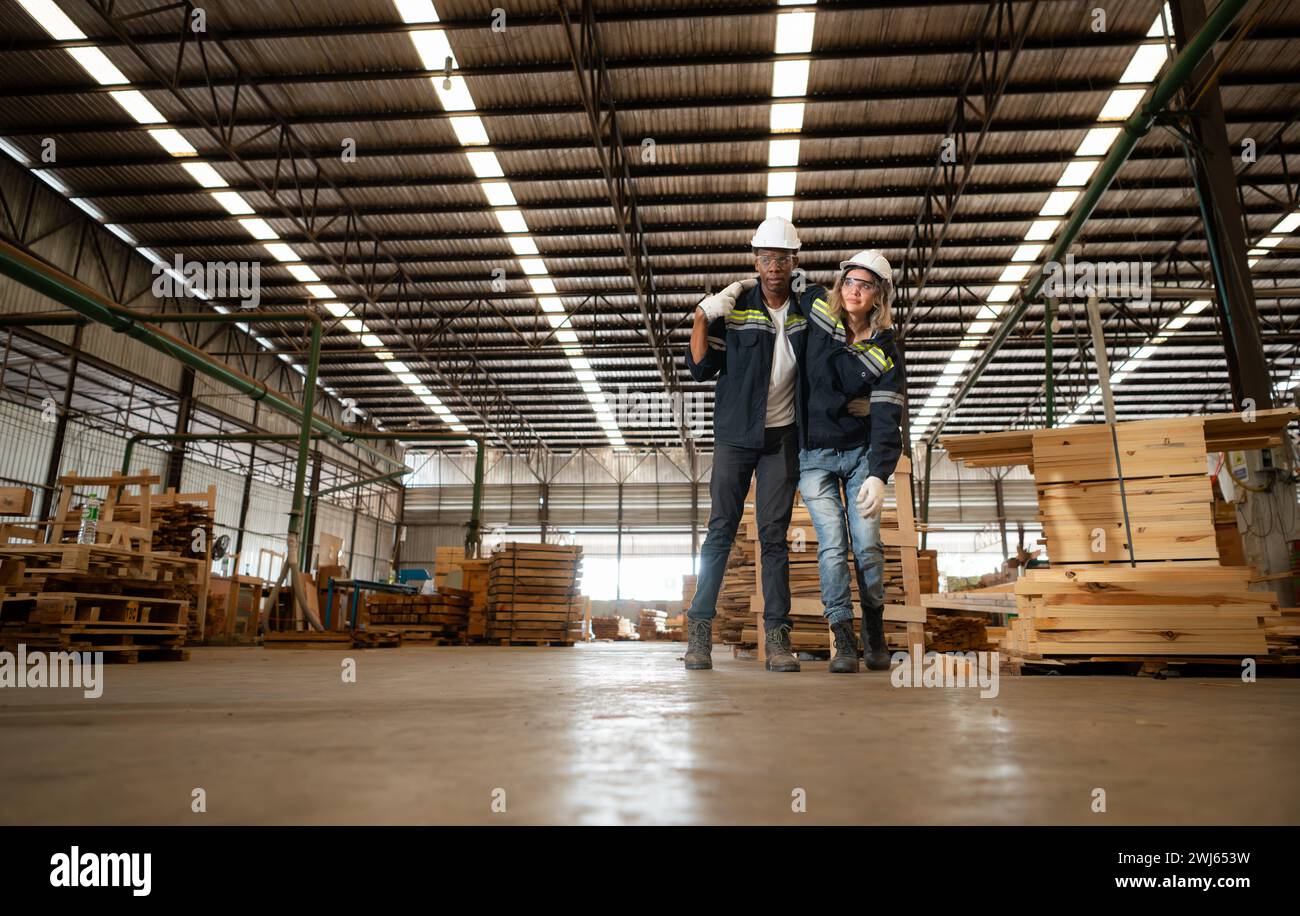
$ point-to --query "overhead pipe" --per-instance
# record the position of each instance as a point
(88, 303)
(1134, 129)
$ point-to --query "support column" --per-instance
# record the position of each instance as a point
(544, 510)
(248, 490)
(61, 427)
(1002, 513)
(309, 530)
(618, 567)
(693, 465)
(184, 407)
(1224, 227)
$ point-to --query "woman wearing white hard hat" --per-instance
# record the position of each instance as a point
(851, 440)
(746, 336)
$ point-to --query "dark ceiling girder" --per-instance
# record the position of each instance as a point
(1019, 188)
(745, 225)
(296, 193)
(875, 50)
(872, 94)
(334, 30)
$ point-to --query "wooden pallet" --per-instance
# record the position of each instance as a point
(70, 607)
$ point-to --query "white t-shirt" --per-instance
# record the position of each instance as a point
(780, 385)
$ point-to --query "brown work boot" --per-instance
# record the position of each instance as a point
(873, 639)
(699, 645)
(846, 648)
(779, 656)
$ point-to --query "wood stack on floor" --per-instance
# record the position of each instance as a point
(688, 592)
(91, 597)
(738, 585)
(1091, 604)
(118, 595)
(533, 595)
(439, 619)
(652, 624)
(927, 571)
(473, 578)
(904, 615)
(606, 627)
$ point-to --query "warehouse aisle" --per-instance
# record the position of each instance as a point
(619, 733)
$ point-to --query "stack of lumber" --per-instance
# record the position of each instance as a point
(677, 627)
(955, 634)
(606, 627)
(176, 528)
(738, 586)
(903, 612)
(927, 570)
(533, 594)
(1093, 611)
(1226, 534)
(446, 560)
(432, 618)
(688, 591)
(93, 597)
(1282, 631)
(1178, 600)
(652, 624)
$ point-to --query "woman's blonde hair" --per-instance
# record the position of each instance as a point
(882, 313)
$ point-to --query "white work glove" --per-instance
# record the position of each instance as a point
(871, 497)
(860, 407)
(724, 300)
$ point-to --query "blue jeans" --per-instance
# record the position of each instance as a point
(829, 480)
(776, 468)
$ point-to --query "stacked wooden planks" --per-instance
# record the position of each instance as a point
(903, 611)
(606, 627)
(439, 618)
(1178, 600)
(533, 594)
(124, 602)
(652, 624)
(1152, 610)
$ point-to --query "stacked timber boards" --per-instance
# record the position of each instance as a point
(533, 594)
(1178, 600)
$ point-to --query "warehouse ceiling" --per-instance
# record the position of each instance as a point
(427, 176)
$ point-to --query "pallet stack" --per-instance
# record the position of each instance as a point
(91, 597)
(652, 624)
(439, 619)
(688, 591)
(904, 615)
(121, 594)
(1091, 604)
(606, 627)
(533, 595)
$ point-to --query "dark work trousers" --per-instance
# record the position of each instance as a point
(777, 466)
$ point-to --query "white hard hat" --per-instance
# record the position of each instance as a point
(775, 232)
(872, 260)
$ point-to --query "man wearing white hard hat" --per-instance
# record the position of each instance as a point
(849, 401)
(746, 336)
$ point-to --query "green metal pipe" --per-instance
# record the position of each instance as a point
(206, 437)
(297, 527)
(1049, 315)
(90, 304)
(475, 518)
(313, 497)
(1134, 129)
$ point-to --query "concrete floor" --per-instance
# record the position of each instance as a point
(619, 733)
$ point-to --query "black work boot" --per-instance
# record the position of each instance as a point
(779, 656)
(846, 648)
(699, 645)
(873, 639)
